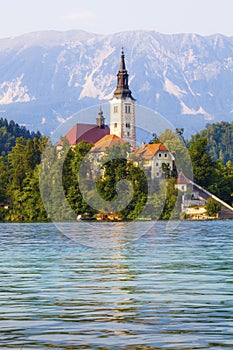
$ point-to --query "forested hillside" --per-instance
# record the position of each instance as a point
(219, 140)
(9, 132)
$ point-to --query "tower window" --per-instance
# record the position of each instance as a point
(115, 125)
(127, 109)
(115, 109)
(127, 133)
(127, 125)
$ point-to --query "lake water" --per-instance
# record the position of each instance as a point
(161, 291)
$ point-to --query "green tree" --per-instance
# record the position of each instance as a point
(23, 159)
(203, 166)
(9, 132)
(180, 152)
(70, 178)
(212, 207)
(219, 140)
(120, 168)
(171, 195)
(222, 186)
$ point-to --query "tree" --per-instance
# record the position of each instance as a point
(23, 184)
(180, 152)
(203, 166)
(171, 194)
(219, 140)
(155, 139)
(9, 132)
(166, 170)
(212, 207)
(120, 168)
(70, 178)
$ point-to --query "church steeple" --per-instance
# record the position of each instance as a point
(122, 90)
(122, 107)
(100, 120)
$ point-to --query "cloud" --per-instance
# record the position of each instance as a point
(79, 16)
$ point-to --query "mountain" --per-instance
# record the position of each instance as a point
(45, 77)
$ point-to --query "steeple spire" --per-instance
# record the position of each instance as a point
(122, 64)
(122, 107)
(122, 89)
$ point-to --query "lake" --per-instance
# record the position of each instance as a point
(163, 290)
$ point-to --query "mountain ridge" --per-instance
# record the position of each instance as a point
(47, 76)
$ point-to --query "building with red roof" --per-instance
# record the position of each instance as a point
(90, 133)
(106, 142)
(155, 156)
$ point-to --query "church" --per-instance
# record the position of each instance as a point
(122, 115)
(122, 128)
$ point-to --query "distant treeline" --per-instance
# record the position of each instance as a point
(219, 140)
(9, 132)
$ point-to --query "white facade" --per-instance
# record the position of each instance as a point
(122, 119)
(122, 107)
(155, 163)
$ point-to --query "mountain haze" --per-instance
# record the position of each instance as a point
(45, 77)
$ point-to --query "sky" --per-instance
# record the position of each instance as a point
(203, 17)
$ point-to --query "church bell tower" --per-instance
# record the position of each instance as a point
(122, 107)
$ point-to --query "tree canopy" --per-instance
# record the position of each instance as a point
(9, 132)
(219, 140)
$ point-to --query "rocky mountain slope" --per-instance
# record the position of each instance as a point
(45, 77)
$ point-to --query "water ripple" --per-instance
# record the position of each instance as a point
(163, 291)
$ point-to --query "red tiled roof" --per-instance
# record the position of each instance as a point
(86, 132)
(107, 141)
(150, 150)
(182, 179)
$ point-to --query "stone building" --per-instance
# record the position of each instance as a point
(154, 156)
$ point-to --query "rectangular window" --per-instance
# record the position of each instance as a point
(115, 109)
(127, 125)
(127, 109)
(115, 125)
(165, 155)
(127, 133)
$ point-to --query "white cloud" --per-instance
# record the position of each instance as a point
(79, 16)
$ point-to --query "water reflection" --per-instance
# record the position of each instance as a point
(164, 291)
(105, 235)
